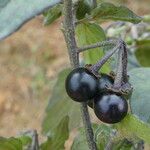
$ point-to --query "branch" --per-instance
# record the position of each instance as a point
(99, 44)
(95, 68)
(69, 35)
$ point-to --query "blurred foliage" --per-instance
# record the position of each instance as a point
(143, 52)
(57, 139)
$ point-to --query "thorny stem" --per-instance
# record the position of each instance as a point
(69, 35)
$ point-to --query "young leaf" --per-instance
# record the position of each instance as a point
(105, 11)
(57, 140)
(140, 100)
(87, 34)
(60, 105)
(131, 127)
(52, 14)
(10, 144)
(13, 14)
(143, 52)
(84, 7)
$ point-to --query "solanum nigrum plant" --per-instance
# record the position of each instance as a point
(110, 106)
(89, 84)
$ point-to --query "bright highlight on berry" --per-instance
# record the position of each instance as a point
(110, 107)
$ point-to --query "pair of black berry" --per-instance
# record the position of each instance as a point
(83, 86)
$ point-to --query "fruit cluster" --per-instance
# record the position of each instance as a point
(83, 86)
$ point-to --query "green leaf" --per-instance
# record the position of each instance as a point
(123, 145)
(140, 100)
(52, 14)
(132, 127)
(10, 144)
(60, 135)
(13, 14)
(143, 52)
(26, 140)
(102, 135)
(87, 34)
(84, 7)
(101, 132)
(108, 11)
(60, 105)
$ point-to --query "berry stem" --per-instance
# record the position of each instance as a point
(120, 46)
(96, 67)
(119, 75)
(122, 67)
(69, 35)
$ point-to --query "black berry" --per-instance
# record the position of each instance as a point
(105, 80)
(81, 85)
(110, 108)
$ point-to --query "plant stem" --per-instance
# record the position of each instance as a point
(96, 67)
(69, 35)
(119, 75)
(99, 44)
(122, 66)
(122, 59)
(89, 133)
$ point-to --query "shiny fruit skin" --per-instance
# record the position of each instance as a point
(81, 85)
(103, 81)
(110, 107)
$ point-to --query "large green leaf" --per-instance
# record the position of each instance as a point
(60, 135)
(87, 34)
(60, 105)
(14, 13)
(10, 144)
(131, 127)
(106, 11)
(140, 100)
(143, 52)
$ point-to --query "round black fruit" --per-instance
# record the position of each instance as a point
(81, 85)
(110, 108)
(105, 80)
